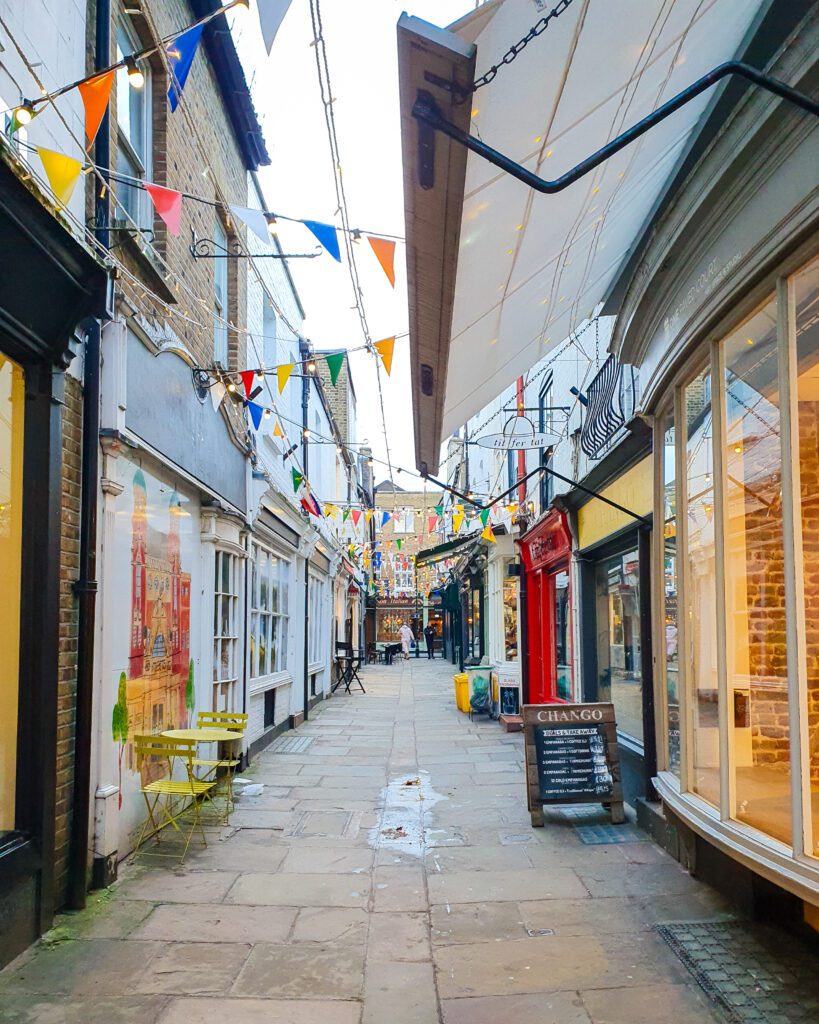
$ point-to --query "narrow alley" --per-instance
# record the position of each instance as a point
(388, 872)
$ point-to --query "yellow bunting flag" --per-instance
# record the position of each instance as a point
(95, 93)
(489, 534)
(457, 519)
(277, 430)
(368, 514)
(330, 511)
(62, 173)
(283, 372)
(385, 254)
(512, 507)
(385, 348)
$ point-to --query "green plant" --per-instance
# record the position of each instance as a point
(119, 724)
(190, 693)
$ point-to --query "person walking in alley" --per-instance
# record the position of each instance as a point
(429, 636)
(407, 637)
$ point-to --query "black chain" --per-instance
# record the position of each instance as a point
(518, 47)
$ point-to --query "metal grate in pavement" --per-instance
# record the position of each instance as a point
(755, 975)
(596, 835)
(291, 744)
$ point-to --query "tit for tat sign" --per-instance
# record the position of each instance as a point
(572, 757)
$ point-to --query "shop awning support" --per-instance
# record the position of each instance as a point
(427, 112)
(541, 469)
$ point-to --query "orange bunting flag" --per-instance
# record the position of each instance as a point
(95, 94)
(62, 173)
(168, 204)
(489, 534)
(385, 254)
(277, 430)
(283, 372)
(385, 348)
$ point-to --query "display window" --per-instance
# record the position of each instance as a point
(510, 617)
(619, 665)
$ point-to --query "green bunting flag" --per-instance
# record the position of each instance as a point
(398, 542)
(439, 510)
(334, 364)
(346, 515)
(298, 479)
(484, 515)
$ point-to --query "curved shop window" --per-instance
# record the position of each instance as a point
(738, 601)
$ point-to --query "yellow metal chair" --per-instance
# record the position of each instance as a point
(233, 721)
(153, 749)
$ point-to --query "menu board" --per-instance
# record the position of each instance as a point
(572, 757)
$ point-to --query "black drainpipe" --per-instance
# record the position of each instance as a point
(86, 585)
(304, 352)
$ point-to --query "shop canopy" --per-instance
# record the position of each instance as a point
(499, 273)
(441, 551)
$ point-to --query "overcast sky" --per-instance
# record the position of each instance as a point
(361, 48)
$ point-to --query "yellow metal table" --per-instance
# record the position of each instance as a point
(229, 762)
(203, 735)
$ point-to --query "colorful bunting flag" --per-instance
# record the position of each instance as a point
(346, 515)
(483, 515)
(488, 534)
(368, 516)
(180, 58)
(385, 254)
(217, 393)
(95, 94)
(512, 507)
(271, 15)
(439, 510)
(398, 543)
(248, 378)
(298, 479)
(168, 204)
(385, 518)
(334, 364)
(457, 520)
(356, 514)
(327, 236)
(62, 173)
(385, 349)
(310, 503)
(255, 220)
(255, 411)
(432, 522)
(282, 373)
(277, 430)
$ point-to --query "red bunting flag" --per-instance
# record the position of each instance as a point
(168, 204)
(432, 522)
(248, 377)
(385, 254)
(356, 514)
(95, 94)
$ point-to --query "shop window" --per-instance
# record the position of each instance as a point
(11, 534)
(618, 640)
(757, 691)
(316, 642)
(560, 611)
(133, 134)
(806, 289)
(269, 612)
(700, 587)
(510, 616)
(474, 623)
(225, 632)
(669, 593)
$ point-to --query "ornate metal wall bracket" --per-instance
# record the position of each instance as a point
(207, 249)
(427, 112)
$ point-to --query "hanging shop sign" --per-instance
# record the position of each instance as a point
(519, 434)
(572, 757)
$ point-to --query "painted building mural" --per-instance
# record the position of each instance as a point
(153, 673)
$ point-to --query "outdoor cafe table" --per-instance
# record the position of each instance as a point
(203, 735)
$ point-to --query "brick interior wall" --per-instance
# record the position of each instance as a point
(809, 475)
(67, 682)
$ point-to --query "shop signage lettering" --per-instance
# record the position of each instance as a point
(705, 282)
(572, 757)
(507, 442)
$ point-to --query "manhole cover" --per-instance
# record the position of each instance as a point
(596, 835)
(291, 744)
(754, 974)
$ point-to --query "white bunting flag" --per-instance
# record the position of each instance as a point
(255, 220)
(217, 393)
(271, 15)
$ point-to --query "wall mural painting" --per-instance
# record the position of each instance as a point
(157, 692)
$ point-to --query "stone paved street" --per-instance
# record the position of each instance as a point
(341, 895)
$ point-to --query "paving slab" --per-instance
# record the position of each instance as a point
(220, 922)
(293, 971)
(399, 993)
(259, 1011)
(660, 1004)
(485, 886)
(543, 1008)
(304, 890)
(331, 924)
(395, 937)
(192, 968)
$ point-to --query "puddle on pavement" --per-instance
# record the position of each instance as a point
(406, 799)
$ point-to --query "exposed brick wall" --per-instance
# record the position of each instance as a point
(67, 681)
(809, 477)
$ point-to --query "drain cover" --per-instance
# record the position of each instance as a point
(291, 744)
(595, 835)
(754, 974)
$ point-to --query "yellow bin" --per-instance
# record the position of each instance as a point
(461, 681)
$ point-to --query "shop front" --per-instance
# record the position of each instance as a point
(614, 608)
(546, 553)
(502, 613)
(727, 342)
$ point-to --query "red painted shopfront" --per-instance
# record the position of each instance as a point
(546, 551)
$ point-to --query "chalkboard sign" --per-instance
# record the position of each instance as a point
(572, 757)
(510, 700)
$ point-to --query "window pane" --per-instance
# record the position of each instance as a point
(131, 102)
(274, 644)
(807, 356)
(701, 597)
(510, 617)
(274, 583)
(562, 643)
(755, 578)
(618, 641)
(670, 591)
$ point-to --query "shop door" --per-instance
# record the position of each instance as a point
(550, 673)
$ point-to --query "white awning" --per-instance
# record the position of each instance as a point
(531, 267)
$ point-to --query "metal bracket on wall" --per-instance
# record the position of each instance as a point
(207, 249)
(427, 112)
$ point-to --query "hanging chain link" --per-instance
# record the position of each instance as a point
(513, 51)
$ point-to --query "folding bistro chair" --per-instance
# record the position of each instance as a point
(348, 662)
(233, 721)
(165, 794)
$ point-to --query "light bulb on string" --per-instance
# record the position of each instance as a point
(24, 113)
(136, 79)
(311, 367)
(267, 414)
(231, 387)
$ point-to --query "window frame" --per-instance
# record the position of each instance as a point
(144, 167)
(232, 637)
(278, 617)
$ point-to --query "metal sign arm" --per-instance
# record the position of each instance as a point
(427, 112)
